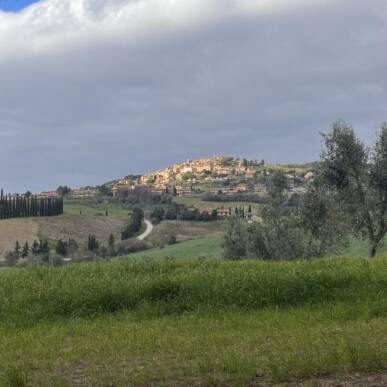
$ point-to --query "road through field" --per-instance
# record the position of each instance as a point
(148, 230)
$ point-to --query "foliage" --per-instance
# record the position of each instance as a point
(234, 244)
(237, 197)
(359, 176)
(135, 224)
(29, 206)
(310, 226)
(63, 190)
(92, 243)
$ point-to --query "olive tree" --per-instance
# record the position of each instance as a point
(311, 228)
(359, 176)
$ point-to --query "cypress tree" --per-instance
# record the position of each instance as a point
(26, 250)
(17, 248)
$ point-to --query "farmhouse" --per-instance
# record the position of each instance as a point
(48, 194)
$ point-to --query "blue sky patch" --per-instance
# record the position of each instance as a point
(15, 5)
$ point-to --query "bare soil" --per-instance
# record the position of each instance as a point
(377, 379)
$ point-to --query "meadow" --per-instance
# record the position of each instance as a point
(197, 245)
(78, 221)
(197, 202)
(193, 321)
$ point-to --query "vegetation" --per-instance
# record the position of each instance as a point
(359, 176)
(232, 198)
(206, 322)
(29, 206)
(63, 190)
(209, 247)
(135, 224)
(311, 227)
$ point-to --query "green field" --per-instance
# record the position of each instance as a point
(197, 202)
(95, 209)
(193, 322)
(208, 247)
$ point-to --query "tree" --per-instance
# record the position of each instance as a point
(359, 177)
(278, 184)
(312, 228)
(111, 241)
(234, 242)
(105, 190)
(60, 248)
(92, 243)
(43, 247)
(25, 250)
(63, 190)
(158, 213)
(35, 248)
(17, 249)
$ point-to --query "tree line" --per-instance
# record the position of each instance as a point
(32, 206)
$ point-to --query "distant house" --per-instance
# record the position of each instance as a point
(260, 189)
(48, 194)
(123, 187)
(84, 193)
(224, 212)
(159, 189)
(206, 211)
(242, 187)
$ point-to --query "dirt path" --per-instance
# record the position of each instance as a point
(12, 230)
(148, 230)
(377, 379)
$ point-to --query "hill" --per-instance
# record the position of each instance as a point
(193, 322)
(78, 221)
(212, 174)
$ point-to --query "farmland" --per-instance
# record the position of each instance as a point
(78, 221)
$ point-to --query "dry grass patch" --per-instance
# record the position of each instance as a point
(79, 227)
(12, 230)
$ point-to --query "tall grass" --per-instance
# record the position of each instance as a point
(36, 294)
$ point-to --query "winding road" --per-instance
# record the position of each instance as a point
(148, 230)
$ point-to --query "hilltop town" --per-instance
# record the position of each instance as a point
(219, 174)
(216, 175)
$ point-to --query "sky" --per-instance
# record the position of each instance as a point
(92, 90)
(15, 5)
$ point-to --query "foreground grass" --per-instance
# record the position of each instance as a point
(196, 321)
(228, 347)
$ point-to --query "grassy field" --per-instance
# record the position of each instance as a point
(187, 230)
(97, 209)
(209, 247)
(71, 224)
(192, 322)
(197, 202)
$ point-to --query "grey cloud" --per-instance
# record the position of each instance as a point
(257, 84)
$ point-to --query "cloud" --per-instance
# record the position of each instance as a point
(96, 89)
